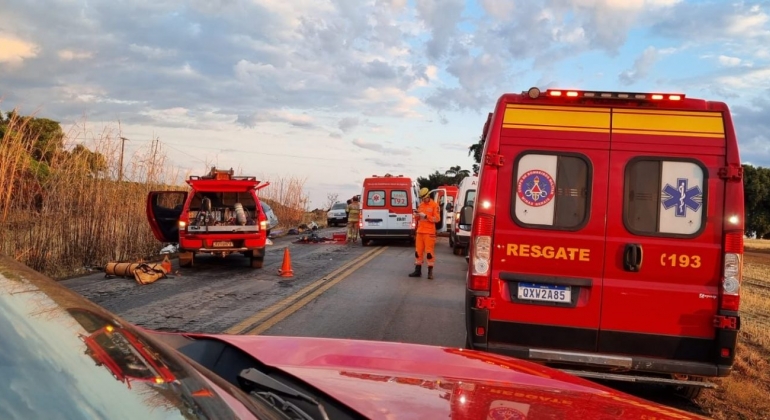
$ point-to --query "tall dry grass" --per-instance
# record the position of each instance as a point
(67, 217)
(287, 197)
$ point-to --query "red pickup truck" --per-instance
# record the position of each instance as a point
(220, 215)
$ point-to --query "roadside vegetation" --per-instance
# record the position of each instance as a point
(63, 208)
(744, 394)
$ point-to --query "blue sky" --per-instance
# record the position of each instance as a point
(337, 90)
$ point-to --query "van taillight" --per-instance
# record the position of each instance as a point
(481, 254)
(732, 272)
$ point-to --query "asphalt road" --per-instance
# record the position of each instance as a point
(380, 302)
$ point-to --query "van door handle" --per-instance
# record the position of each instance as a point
(632, 257)
(392, 215)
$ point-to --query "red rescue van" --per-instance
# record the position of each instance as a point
(446, 196)
(607, 235)
(220, 215)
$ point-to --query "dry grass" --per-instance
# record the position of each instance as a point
(756, 244)
(745, 394)
(287, 197)
(67, 217)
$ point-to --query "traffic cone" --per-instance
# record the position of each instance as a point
(166, 264)
(285, 270)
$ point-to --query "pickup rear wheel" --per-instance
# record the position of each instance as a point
(256, 257)
(186, 259)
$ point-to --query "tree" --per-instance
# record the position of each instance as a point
(756, 198)
(475, 150)
(331, 198)
(93, 163)
(435, 180)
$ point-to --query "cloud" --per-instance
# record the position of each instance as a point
(441, 17)
(285, 117)
(14, 50)
(748, 78)
(728, 61)
(456, 146)
(378, 147)
(70, 55)
(753, 130)
(738, 26)
(386, 163)
(348, 123)
(335, 135)
(641, 68)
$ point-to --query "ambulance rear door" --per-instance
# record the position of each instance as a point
(399, 210)
(664, 236)
(549, 231)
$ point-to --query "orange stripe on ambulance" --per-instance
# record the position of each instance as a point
(548, 252)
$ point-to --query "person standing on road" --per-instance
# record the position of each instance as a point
(354, 211)
(427, 215)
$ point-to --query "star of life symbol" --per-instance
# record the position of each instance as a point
(681, 198)
(535, 188)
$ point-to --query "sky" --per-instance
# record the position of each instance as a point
(333, 91)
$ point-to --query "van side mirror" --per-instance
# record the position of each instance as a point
(466, 215)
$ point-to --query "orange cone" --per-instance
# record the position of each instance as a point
(285, 270)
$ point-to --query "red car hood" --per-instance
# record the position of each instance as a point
(385, 380)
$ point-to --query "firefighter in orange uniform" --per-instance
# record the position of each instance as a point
(427, 215)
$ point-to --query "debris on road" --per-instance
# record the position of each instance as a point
(143, 273)
(170, 249)
(314, 238)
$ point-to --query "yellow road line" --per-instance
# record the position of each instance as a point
(307, 299)
(240, 327)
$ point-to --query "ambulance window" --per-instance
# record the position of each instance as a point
(375, 198)
(551, 191)
(470, 197)
(398, 198)
(664, 197)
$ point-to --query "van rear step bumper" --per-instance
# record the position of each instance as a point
(637, 379)
(609, 362)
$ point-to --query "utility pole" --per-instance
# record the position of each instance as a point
(122, 147)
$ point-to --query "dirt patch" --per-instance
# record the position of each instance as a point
(744, 394)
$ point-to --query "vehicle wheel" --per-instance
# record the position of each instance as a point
(364, 241)
(186, 259)
(689, 392)
(457, 250)
(256, 258)
(451, 242)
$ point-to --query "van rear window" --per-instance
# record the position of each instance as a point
(551, 190)
(375, 198)
(398, 198)
(664, 197)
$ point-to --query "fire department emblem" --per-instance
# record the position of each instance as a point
(681, 198)
(536, 188)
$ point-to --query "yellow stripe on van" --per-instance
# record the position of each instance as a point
(589, 119)
(665, 123)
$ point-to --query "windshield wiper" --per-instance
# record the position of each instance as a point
(251, 378)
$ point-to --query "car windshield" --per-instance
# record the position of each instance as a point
(62, 359)
(340, 206)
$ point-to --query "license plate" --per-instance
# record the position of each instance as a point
(545, 293)
(375, 223)
(223, 244)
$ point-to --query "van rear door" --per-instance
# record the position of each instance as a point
(374, 214)
(664, 234)
(548, 243)
(399, 211)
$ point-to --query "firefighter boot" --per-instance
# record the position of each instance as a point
(430, 273)
(417, 271)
